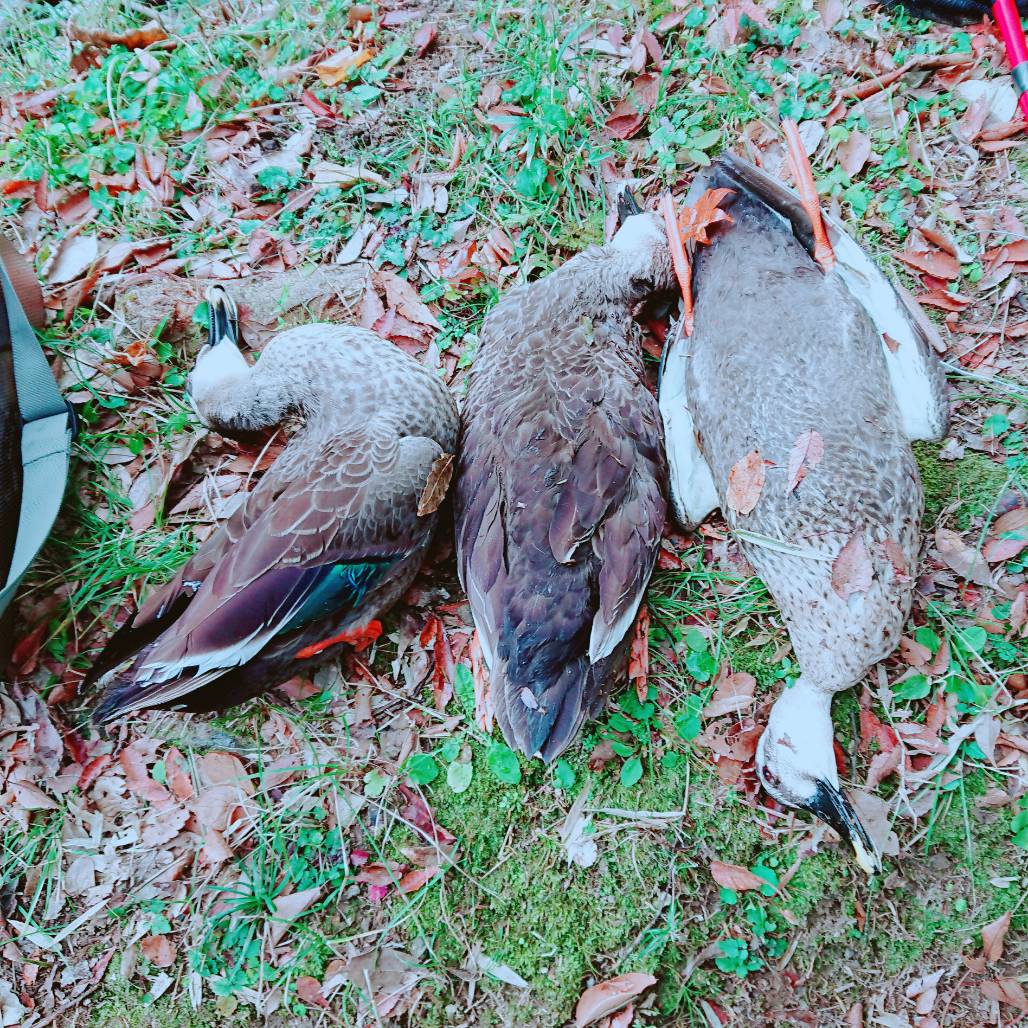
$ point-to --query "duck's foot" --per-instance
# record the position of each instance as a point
(359, 638)
(803, 178)
(679, 258)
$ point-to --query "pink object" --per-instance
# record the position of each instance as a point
(1009, 21)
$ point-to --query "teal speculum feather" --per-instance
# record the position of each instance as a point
(342, 587)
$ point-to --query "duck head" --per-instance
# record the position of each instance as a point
(639, 252)
(796, 764)
(220, 366)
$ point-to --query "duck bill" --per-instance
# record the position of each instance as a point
(831, 805)
(627, 206)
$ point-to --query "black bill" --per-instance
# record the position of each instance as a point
(831, 805)
(626, 206)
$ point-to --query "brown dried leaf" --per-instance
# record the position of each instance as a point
(932, 262)
(423, 39)
(853, 153)
(135, 39)
(337, 67)
(436, 485)
(957, 555)
(992, 937)
(606, 997)
(731, 876)
(639, 654)
(137, 778)
(159, 950)
(289, 908)
(732, 695)
(628, 117)
(808, 449)
(1006, 990)
(851, 569)
(745, 482)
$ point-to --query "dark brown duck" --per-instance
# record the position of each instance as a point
(561, 490)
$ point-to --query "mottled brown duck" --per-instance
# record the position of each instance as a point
(783, 347)
(329, 539)
(560, 496)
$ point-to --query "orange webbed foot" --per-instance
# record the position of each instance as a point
(803, 178)
(359, 638)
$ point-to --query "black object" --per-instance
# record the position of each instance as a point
(951, 12)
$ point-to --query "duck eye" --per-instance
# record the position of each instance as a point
(642, 285)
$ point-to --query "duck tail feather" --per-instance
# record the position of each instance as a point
(732, 172)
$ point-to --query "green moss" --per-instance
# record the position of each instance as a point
(974, 480)
(122, 1005)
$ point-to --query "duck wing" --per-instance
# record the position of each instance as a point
(909, 340)
(558, 525)
(310, 548)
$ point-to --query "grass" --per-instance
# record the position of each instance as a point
(531, 172)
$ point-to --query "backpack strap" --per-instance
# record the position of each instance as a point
(47, 427)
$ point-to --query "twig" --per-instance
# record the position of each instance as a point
(923, 62)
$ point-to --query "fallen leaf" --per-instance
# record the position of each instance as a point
(932, 262)
(996, 551)
(745, 481)
(29, 797)
(436, 485)
(138, 779)
(993, 935)
(289, 908)
(804, 456)
(159, 950)
(956, 554)
(732, 695)
(607, 997)
(337, 67)
(639, 655)
(694, 221)
(309, 991)
(630, 114)
(853, 153)
(75, 256)
(1006, 990)
(414, 880)
(423, 39)
(732, 876)
(851, 569)
(134, 39)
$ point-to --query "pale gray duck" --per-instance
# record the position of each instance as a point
(561, 486)
(781, 347)
(330, 538)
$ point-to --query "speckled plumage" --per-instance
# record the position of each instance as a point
(560, 495)
(779, 349)
(328, 539)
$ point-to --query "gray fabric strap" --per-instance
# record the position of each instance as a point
(45, 441)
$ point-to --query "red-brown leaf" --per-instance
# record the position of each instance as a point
(932, 262)
(808, 449)
(639, 657)
(745, 481)
(851, 570)
(732, 876)
(159, 950)
(423, 39)
(992, 937)
(606, 997)
(1006, 990)
(628, 117)
(138, 779)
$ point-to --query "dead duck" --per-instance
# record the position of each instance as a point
(561, 484)
(821, 358)
(328, 540)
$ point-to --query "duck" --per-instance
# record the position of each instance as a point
(330, 538)
(561, 493)
(809, 371)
